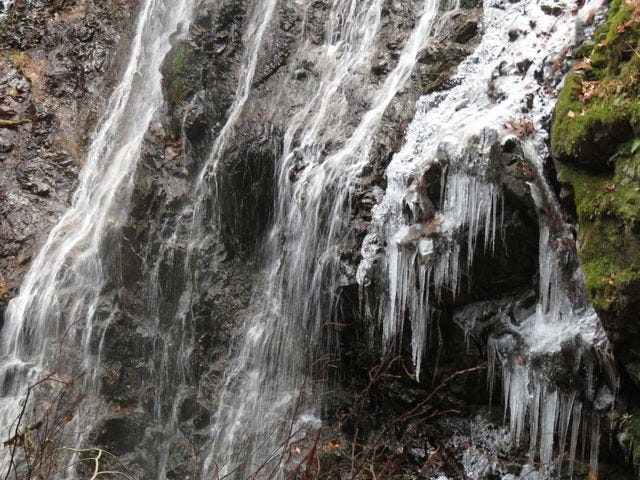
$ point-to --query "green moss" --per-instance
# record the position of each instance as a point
(179, 74)
(589, 133)
(597, 120)
(589, 128)
(608, 207)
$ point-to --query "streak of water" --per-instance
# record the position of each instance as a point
(295, 302)
(457, 129)
(49, 325)
(171, 374)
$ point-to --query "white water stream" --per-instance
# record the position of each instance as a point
(263, 399)
(49, 325)
(456, 128)
(270, 377)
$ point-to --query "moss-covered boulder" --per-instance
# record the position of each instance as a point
(596, 145)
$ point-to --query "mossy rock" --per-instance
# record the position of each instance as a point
(595, 142)
(589, 134)
(181, 74)
(598, 109)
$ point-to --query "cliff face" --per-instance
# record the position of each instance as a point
(596, 144)
(201, 77)
(58, 62)
(172, 299)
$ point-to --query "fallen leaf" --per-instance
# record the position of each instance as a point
(332, 447)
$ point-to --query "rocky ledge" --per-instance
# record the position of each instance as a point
(596, 148)
(58, 62)
(596, 145)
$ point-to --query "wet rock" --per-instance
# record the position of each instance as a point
(517, 173)
(58, 63)
(554, 10)
(316, 18)
(523, 65)
(8, 139)
(120, 433)
(33, 185)
(182, 463)
(192, 410)
(467, 32)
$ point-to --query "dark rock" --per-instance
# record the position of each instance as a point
(467, 32)
(122, 433)
(58, 64)
(523, 65)
(554, 10)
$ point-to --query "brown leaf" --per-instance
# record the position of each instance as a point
(588, 90)
(332, 447)
(584, 64)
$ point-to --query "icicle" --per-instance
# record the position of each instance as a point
(547, 427)
(457, 129)
(566, 410)
(492, 359)
(575, 432)
(534, 420)
(595, 443)
(518, 400)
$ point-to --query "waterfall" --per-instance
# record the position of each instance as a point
(197, 222)
(270, 378)
(52, 325)
(272, 389)
(456, 130)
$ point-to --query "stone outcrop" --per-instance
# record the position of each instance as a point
(58, 62)
(596, 148)
(596, 145)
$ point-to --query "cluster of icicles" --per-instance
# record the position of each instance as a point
(63, 289)
(450, 129)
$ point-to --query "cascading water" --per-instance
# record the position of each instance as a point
(266, 383)
(50, 326)
(195, 223)
(4, 7)
(268, 395)
(457, 129)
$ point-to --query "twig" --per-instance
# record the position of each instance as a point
(13, 123)
(632, 49)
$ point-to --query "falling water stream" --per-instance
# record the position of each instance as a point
(266, 397)
(50, 324)
(303, 248)
(457, 129)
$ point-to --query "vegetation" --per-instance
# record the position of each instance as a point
(596, 140)
(36, 451)
(179, 73)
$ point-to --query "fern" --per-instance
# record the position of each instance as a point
(635, 145)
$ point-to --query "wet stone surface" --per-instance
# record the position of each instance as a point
(58, 63)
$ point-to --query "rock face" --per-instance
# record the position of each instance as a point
(596, 144)
(183, 297)
(201, 77)
(58, 62)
